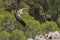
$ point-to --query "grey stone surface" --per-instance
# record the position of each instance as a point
(50, 36)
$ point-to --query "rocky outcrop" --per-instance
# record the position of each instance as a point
(50, 36)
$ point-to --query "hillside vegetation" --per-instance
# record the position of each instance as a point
(41, 17)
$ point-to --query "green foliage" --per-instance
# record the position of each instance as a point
(23, 4)
(17, 35)
(49, 26)
(4, 35)
(11, 29)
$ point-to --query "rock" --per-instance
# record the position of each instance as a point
(50, 36)
(40, 37)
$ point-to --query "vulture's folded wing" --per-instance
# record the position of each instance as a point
(19, 19)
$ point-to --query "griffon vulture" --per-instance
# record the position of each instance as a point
(18, 16)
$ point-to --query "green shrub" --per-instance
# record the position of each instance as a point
(4, 35)
(17, 35)
(49, 26)
(23, 4)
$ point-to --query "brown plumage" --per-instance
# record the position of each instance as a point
(19, 19)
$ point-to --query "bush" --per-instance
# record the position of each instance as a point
(4, 35)
(49, 26)
(17, 35)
